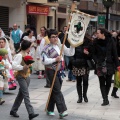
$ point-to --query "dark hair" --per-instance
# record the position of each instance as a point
(25, 44)
(64, 27)
(2, 38)
(27, 26)
(52, 31)
(105, 32)
(118, 35)
(29, 31)
(44, 29)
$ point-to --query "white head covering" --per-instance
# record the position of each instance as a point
(8, 49)
(2, 34)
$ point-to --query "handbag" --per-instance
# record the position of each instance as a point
(117, 79)
(101, 68)
(91, 64)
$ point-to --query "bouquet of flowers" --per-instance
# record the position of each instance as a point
(2, 67)
(38, 42)
(28, 60)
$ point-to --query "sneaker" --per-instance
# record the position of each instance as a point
(73, 80)
(64, 114)
(2, 101)
(40, 77)
(68, 80)
(50, 113)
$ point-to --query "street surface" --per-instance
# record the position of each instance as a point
(82, 111)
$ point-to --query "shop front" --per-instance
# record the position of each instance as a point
(38, 16)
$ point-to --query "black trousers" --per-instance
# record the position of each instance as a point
(105, 82)
(56, 96)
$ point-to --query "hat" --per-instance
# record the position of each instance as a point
(3, 52)
(28, 60)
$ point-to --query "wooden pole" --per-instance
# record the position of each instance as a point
(65, 36)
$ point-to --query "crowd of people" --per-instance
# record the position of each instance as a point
(102, 48)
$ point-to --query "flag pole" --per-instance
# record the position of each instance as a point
(73, 6)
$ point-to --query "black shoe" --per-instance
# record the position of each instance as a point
(105, 102)
(2, 101)
(31, 116)
(79, 100)
(85, 98)
(114, 95)
(46, 86)
(14, 114)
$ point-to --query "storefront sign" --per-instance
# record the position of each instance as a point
(101, 20)
(41, 10)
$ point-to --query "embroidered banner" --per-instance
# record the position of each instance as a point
(78, 26)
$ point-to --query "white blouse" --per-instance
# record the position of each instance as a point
(16, 63)
(29, 39)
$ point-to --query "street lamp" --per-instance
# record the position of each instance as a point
(107, 4)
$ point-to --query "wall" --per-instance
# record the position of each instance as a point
(18, 16)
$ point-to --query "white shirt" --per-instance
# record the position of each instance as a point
(42, 44)
(16, 63)
(66, 51)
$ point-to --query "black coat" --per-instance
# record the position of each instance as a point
(61, 37)
(106, 49)
(80, 58)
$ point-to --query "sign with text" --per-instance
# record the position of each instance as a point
(101, 20)
(40, 10)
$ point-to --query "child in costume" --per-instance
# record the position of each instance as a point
(5, 66)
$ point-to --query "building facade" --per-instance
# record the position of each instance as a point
(54, 14)
(96, 8)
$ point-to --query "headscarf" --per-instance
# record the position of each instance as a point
(2, 34)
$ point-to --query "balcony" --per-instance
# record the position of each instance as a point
(45, 2)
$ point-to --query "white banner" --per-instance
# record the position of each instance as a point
(78, 26)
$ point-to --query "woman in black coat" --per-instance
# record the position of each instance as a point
(80, 68)
(106, 58)
(118, 52)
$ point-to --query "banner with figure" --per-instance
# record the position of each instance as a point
(78, 26)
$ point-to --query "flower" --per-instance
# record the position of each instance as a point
(1, 58)
(38, 42)
(28, 60)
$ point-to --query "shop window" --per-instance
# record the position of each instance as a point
(117, 25)
(62, 10)
(32, 21)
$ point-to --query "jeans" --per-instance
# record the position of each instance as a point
(66, 58)
(70, 75)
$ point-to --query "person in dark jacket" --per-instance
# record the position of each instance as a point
(114, 91)
(106, 58)
(67, 44)
(27, 28)
(80, 68)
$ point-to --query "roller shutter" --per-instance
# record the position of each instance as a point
(4, 18)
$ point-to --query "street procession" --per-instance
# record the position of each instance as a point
(59, 59)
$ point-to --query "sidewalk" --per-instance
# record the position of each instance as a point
(82, 111)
